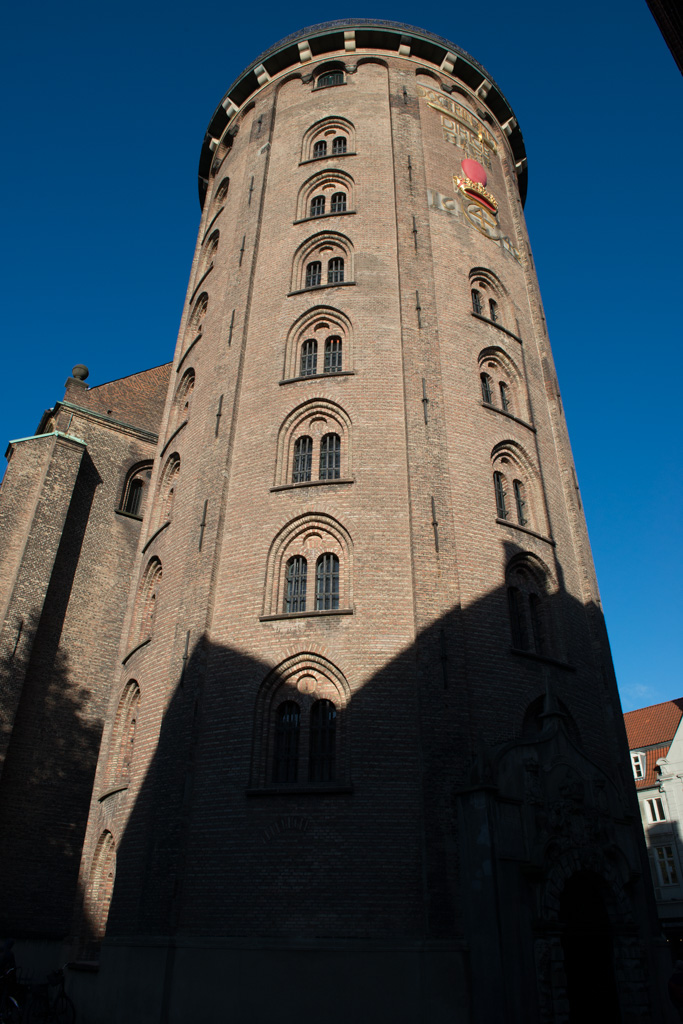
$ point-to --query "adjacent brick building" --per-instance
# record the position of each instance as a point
(362, 754)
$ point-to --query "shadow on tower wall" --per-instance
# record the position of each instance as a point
(212, 858)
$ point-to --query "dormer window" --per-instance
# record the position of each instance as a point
(638, 763)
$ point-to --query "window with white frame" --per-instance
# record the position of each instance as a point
(638, 765)
(654, 809)
(666, 866)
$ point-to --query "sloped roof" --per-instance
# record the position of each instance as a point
(653, 725)
(137, 399)
(651, 777)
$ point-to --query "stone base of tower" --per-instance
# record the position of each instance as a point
(212, 981)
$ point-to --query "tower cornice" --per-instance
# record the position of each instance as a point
(362, 36)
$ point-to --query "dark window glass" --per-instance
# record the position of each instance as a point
(295, 591)
(320, 149)
(333, 355)
(493, 309)
(486, 393)
(322, 749)
(339, 145)
(309, 357)
(331, 78)
(520, 639)
(335, 270)
(520, 502)
(134, 497)
(504, 396)
(476, 301)
(338, 203)
(303, 453)
(537, 627)
(286, 759)
(318, 206)
(330, 457)
(327, 583)
(313, 274)
(499, 485)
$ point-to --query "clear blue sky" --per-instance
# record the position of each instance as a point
(106, 107)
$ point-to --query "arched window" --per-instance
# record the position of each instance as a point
(322, 742)
(134, 497)
(333, 355)
(318, 206)
(335, 270)
(99, 893)
(168, 486)
(309, 357)
(476, 301)
(486, 392)
(148, 597)
(330, 457)
(339, 145)
(295, 590)
(520, 502)
(528, 606)
(504, 396)
(338, 203)
(303, 455)
(493, 310)
(320, 149)
(181, 401)
(286, 754)
(123, 736)
(330, 78)
(222, 191)
(499, 487)
(327, 583)
(313, 274)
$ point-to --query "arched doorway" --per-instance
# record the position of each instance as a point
(588, 945)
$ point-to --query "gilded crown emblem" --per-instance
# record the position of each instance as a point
(473, 185)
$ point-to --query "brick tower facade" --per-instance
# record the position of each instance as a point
(363, 756)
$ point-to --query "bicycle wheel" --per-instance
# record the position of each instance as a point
(64, 1010)
(38, 1010)
(10, 1012)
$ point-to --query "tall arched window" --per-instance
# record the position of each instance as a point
(303, 456)
(134, 497)
(339, 145)
(335, 270)
(99, 893)
(527, 593)
(309, 358)
(295, 588)
(319, 149)
(520, 637)
(148, 597)
(330, 457)
(476, 301)
(313, 274)
(333, 355)
(322, 742)
(504, 396)
(493, 309)
(486, 392)
(338, 203)
(499, 488)
(318, 206)
(520, 502)
(327, 583)
(286, 754)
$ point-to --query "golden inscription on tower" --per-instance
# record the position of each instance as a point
(461, 127)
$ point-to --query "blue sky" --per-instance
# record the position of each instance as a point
(105, 110)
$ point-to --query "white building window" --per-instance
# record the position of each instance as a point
(655, 810)
(666, 867)
(638, 763)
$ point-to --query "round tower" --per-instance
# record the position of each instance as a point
(364, 756)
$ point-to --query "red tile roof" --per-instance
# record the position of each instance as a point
(656, 724)
(651, 777)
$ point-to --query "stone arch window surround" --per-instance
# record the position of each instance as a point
(319, 323)
(304, 678)
(326, 184)
(310, 535)
(502, 370)
(490, 300)
(315, 418)
(327, 131)
(135, 488)
(122, 743)
(513, 463)
(324, 248)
